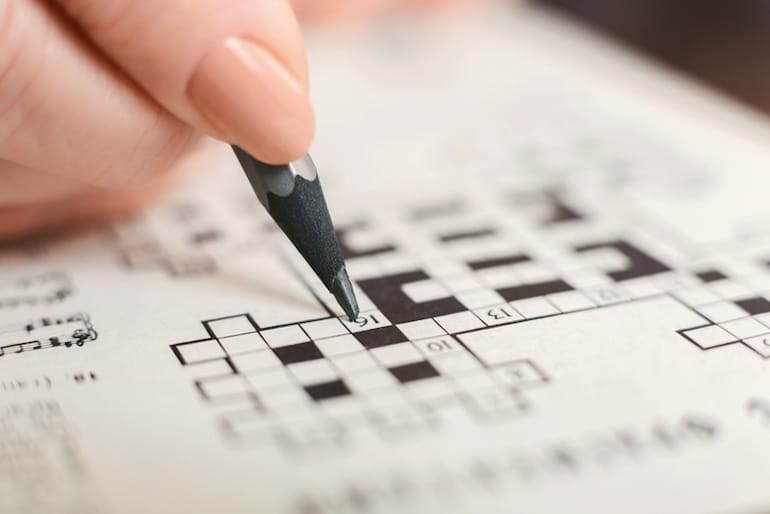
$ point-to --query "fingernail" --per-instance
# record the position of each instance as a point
(253, 100)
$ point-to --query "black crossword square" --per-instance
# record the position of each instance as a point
(711, 275)
(382, 336)
(415, 371)
(298, 353)
(326, 390)
(755, 305)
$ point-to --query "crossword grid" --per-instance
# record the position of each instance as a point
(736, 311)
(394, 370)
(506, 287)
(396, 376)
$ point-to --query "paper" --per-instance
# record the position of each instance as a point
(563, 263)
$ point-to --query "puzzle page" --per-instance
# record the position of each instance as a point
(562, 255)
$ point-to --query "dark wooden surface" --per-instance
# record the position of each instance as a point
(725, 42)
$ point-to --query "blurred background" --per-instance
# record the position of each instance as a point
(723, 42)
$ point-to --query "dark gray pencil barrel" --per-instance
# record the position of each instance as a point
(293, 196)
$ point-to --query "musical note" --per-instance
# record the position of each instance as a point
(48, 332)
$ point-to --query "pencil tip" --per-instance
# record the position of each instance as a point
(342, 290)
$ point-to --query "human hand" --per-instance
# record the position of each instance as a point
(102, 100)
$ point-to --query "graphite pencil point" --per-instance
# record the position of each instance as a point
(342, 290)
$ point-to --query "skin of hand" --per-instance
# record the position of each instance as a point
(102, 102)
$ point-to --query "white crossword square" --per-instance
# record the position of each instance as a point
(437, 345)
(442, 267)
(421, 329)
(479, 298)
(461, 282)
(607, 295)
(201, 351)
(696, 295)
(270, 378)
(585, 279)
(432, 389)
(324, 328)
(254, 361)
(374, 379)
(284, 398)
(459, 322)
(739, 268)
(209, 368)
(605, 258)
(284, 336)
(759, 281)
(364, 267)
(709, 337)
(347, 407)
(353, 362)
(425, 291)
(729, 289)
(570, 301)
(721, 311)
(532, 272)
(640, 288)
(392, 263)
(467, 250)
(534, 307)
(389, 398)
(313, 372)
(339, 345)
(763, 318)
(475, 381)
(745, 327)
(498, 314)
(231, 326)
(366, 321)
(499, 277)
(455, 363)
(243, 343)
(363, 237)
(672, 281)
(219, 387)
(519, 374)
(397, 354)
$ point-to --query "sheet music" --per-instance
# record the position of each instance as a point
(562, 257)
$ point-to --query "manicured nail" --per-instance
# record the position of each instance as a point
(251, 98)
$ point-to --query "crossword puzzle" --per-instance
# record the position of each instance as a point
(310, 384)
(393, 379)
(734, 312)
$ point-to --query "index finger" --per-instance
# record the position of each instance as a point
(233, 68)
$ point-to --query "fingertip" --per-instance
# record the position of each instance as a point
(252, 100)
(289, 141)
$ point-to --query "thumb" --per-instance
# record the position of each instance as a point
(232, 68)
